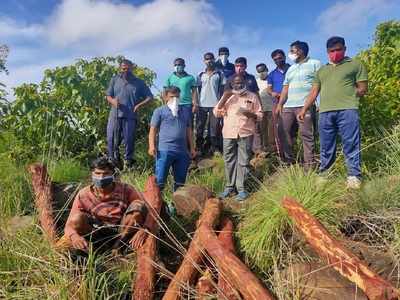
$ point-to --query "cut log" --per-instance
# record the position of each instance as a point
(232, 268)
(205, 286)
(337, 255)
(42, 188)
(225, 237)
(189, 267)
(145, 275)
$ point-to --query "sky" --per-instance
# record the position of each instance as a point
(44, 34)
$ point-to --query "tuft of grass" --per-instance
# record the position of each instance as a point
(265, 223)
(67, 170)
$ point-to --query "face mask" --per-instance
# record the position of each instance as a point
(173, 105)
(224, 59)
(210, 64)
(179, 68)
(102, 182)
(293, 57)
(263, 75)
(336, 56)
(279, 62)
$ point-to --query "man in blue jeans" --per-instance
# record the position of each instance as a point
(341, 82)
(175, 139)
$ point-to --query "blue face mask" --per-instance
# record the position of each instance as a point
(102, 182)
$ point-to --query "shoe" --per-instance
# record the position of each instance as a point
(241, 196)
(226, 193)
(353, 183)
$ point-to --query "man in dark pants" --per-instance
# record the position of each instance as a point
(341, 82)
(126, 93)
(210, 84)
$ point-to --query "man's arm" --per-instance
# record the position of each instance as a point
(282, 100)
(152, 141)
(142, 103)
(312, 96)
(78, 241)
(195, 99)
(189, 136)
(361, 88)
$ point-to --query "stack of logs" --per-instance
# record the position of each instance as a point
(211, 254)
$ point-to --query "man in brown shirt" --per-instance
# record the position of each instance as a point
(106, 213)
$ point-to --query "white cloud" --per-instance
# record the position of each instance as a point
(9, 28)
(346, 17)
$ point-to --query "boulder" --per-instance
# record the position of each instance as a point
(206, 163)
(190, 199)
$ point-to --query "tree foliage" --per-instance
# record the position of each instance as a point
(381, 107)
(66, 113)
(4, 50)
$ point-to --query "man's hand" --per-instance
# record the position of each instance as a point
(79, 242)
(220, 112)
(301, 114)
(152, 151)
(249, 114)
(195, 108)
(275, 95)
(278, 110)
(114, 102)
(136, 108)
(193, 153)
(138, 239)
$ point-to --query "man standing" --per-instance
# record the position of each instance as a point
(240, 69)
(296, 87)
(266, 125)
(210, 84)
(126, 93)
(223, 63)
(187, 86)
(341, 83)
(240, 112)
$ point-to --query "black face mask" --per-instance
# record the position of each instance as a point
(210, 64)
(280, 62)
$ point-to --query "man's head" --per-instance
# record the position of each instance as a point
(179, 65)
(336, 48)
(209, 60)
(238, 82)
(125, 66)
(103, 170)
(223, 54)
(240, 65)
(262, 71)
(298, 51)
(171, 93)
(279, 57)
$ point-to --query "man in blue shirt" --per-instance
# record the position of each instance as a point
(175, 139)
(223, 63)
(126, 93)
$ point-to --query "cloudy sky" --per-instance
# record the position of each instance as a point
(47, 33)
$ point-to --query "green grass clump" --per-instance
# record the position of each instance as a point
(67, 170)
(265, 223)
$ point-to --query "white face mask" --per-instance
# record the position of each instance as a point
(293, 56)
(224, 59)
(173, 105)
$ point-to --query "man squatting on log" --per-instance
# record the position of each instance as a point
(107, 213)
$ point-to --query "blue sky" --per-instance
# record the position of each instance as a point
(48, 33)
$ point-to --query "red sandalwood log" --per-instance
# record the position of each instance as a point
(225, 237)
(42, 188)
(337, 255)
(145, 277)
(189, 267)
(205, 286)
(232, 268)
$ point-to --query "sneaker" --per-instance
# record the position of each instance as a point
(241, 196)
(226, 193)
(353, 183)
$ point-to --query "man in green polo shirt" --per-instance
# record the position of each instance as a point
(186, 83)
(341, 83)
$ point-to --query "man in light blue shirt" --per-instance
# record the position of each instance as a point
(296, 87)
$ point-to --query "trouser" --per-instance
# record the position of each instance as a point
(267, 132)
(346, 123)
(117, 128)
(179, 161)
(237, 153)
(186, 109)
(213, 128)
(289, 121)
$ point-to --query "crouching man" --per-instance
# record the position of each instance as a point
(106, 213)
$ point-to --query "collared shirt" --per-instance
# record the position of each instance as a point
(299, 78)
(172, 131)
(276, 77)
(108, 209)
(266, 99)
(129, 93)
(228, 69)
(338, 84)
(210, 86)
(235, 123)
(250, 80)
(186, 84)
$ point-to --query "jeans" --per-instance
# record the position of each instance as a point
(213, 128)
(346, 123)
(179, 161)
(117, 128)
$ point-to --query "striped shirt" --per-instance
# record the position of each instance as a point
(299, 78)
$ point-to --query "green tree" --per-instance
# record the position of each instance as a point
(66, 113)
(4, 50)
(381, 107)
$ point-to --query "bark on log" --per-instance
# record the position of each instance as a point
(205, 286)
(189, 267)
(42, 188)
(232, 268)
(337, 255)
(225, 237)
(145, 276)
